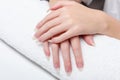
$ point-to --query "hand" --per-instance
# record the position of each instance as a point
(65, 50)
(75, 44)
(70, 19)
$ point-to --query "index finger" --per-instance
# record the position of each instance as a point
(51, 15)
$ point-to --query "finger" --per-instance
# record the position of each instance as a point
(62, 37)
(76, 47)
(49, 17)
(55, 53)
(46, 49)
(47, 26)
(53, 32)
(65, 49)
(60, 4)
(89, 40)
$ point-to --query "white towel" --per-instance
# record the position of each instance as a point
(18, 19)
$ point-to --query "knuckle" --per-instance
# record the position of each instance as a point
(70, 21)
(54, 46)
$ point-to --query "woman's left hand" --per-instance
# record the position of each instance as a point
(69, 19)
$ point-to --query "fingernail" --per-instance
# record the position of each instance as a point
(35, 29)
(48, 10)
(41, 39)
(34, 38)
(92, 43)
(80, 69)
(38, 42)
(58, 70)
(48, 58)
(68, 73)
(79, 65)
(56, 65)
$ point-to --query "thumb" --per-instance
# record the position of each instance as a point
(89, 40)
(60, 4)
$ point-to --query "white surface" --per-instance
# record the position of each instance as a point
(18, 19)
(15, 67)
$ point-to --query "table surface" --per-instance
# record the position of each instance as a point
(15, 67)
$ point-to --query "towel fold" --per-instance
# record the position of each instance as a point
(17, 22)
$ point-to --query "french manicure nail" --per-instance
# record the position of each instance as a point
(92, 42)
(38, 42)
(58, 70)
(48, 58)
(80, 69)
(34, 38)
(35, 29)
(68, 73)
(48, 10)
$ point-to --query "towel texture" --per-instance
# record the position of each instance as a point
(17, 22)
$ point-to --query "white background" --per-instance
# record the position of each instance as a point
(15, 67)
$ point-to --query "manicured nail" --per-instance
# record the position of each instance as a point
(80, 69)
(58, 70)
(68, 73)
(35, 29)
(48, 10)
(38, 42)
(34, 38)
(79, 65)
(48, 58)
(92, 42)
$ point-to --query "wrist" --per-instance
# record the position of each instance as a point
(112, 27)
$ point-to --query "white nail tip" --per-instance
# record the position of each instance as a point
(48, 58)
(37, 41)
(80, 69)
(33, 38)
(58, 70)
(35, 29)
(68, 73)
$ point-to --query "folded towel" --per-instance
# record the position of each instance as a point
(17, 22)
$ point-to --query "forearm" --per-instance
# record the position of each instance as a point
(113, 29)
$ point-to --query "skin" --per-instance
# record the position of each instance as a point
(65, 49)
(74, 19)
